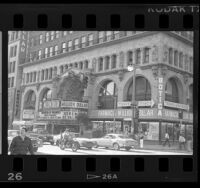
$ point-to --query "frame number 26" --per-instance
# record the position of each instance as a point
(15, 176)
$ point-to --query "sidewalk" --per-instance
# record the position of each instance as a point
(160, 147)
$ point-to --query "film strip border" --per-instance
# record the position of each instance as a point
(99, 17)
(101, 169)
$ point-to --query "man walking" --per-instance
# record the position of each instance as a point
(21, 145)
(166, 139)
(181, 142)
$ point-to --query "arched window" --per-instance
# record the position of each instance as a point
(100, 63)
(171, 91)
(47, 95)
(107, 95)
(30, 100)
(142, 90)
(107, 62)
(61, 69)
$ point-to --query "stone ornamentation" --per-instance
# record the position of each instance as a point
(165, 53)
(37, 86)
(121, 75)
(185, 78)
(155, 71)
(121, 59)
(164, 70)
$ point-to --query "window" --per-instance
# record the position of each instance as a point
(186, 63)
(69, 45)
(61, 69)
(130, 58)
(101, 35)
(8, 82)
(27, 78)
(81, 65)
(76, 65)
(116, 34)
(63, 47)
(47, 37)
(50, 73)
(57, 34)
(52, 35)
(66, 67)
(191, 64)
(138, 56)
(13, 69)
(86, 64)
(31, 77)
(142, 89)
(76, 43)
(146, 55)
(83, 41)
(34, 78)
(171, 91)
(46, 74)
(11, 51)
(56, 49)
(100, 64)
(114, 61)
(108, 35)
(40, 39)
(91, 38)
(170, 56)
(176, 58)
(12, 82)
(107, 62)
(64, 33)
(51, 51)
(39, 54)
(46, 52)
(70, 32)
(180, 60)
(107, 94)
(15, 50)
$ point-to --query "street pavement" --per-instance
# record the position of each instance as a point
(55, 150)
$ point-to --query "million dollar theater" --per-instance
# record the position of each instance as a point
(67, 73)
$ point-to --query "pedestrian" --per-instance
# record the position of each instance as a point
(181, 141)
(141, 140)
(166, 139)
(21, 145)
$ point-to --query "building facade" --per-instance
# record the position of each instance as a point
(69, 72)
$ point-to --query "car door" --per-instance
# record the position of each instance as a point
(104, 141)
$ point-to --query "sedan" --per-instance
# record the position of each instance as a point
(85, 142)
(116, 141)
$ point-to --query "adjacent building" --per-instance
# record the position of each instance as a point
(65, 73)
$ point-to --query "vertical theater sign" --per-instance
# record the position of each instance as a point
(160, 94)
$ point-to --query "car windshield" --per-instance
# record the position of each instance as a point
(13, 133)
(123, 136)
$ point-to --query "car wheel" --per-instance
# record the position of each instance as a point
(127, 148)
(116, 146)
(74, 146)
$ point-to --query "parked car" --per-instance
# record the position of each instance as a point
(86, 142)
(43, 135)
(35, 141)
(116, 141)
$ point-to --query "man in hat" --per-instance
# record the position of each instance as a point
(21, 145)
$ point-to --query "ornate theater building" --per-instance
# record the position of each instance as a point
(68, 73)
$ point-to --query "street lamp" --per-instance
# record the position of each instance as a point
(132, 68)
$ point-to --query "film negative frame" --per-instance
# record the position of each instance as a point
(106, 168)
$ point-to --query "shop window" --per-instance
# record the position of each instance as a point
(100, 63)
(113, 61)
(138, 56)
(171, 91)
(107, 95)
(189, 132)
(170, 56)
(142, 90)
(150, 130)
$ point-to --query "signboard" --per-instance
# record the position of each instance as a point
(188, 116)
(28, 114)
(160, 94)
(171, 114)
(73, 104)
(51, 104)
(176, 105)
(69, 114)
(140, 103)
